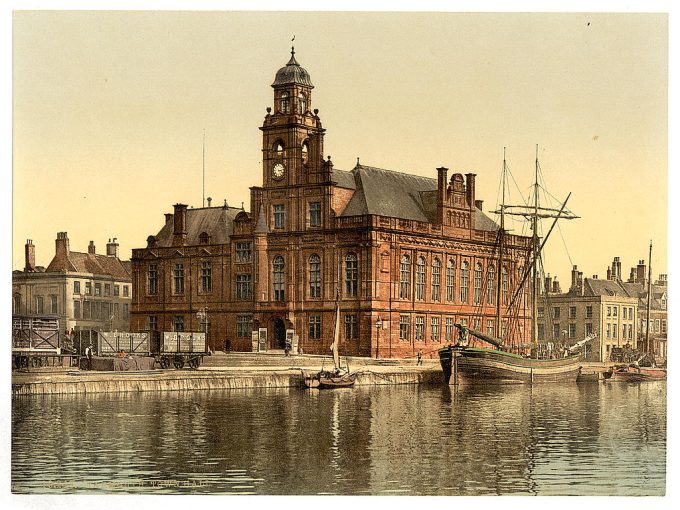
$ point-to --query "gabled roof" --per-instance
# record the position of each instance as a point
(397, 195)
(597, 287)
(91, 263)
(217, 222)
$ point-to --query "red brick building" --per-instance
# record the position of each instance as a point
(417, 253)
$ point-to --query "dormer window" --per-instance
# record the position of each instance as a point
(285, 102)
(204, 238)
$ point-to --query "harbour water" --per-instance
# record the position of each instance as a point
(585, 439)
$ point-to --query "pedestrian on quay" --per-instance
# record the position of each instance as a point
(88, 355)
(420, 357)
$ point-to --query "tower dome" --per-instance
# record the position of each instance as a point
(292, 73)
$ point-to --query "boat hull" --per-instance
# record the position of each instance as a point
(328, 380)
(489, 366)
(637, 374)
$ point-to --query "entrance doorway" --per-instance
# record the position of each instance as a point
(279, 334)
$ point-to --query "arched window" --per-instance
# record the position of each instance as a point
(436, 279)
(504, 285)
(204, 238)
(305, 151)
(405, 277)
(279, 279)
(477, 293)
(351, 275)
(450, 280)
(420, 278)
(315, 276)
(302, 103)
(278, 148)
(491, 286)
(285, 102)
(464, 282)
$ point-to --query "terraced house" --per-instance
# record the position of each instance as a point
(405, 256)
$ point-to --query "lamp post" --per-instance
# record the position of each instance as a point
(378, 325)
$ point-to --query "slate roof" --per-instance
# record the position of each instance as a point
(217, 222)
(640, 291)
(597, 287)
(91, 263)
(397, 195)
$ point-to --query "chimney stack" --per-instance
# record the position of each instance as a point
(631, 278)
(574, 279)
(112, 248)
(441, 192)
(470, 189)
(609, 273)
(616, 269)
(641, 272)
(180, 225)
(548, 284)
(62, 245)
(91, 248)
(30, 256)
(556, 286)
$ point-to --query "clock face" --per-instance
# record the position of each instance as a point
(278, 171)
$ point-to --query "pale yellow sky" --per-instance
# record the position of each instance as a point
(110, 108)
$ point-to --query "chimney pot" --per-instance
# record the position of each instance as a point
(91, 248)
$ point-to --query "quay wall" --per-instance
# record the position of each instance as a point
(88, 382)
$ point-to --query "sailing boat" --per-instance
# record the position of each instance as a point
(339, 377)
(498, 364)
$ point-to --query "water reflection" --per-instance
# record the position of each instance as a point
(576, 439)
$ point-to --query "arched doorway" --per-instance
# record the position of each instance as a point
(279, 339)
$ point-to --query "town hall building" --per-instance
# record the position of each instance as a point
(405, 257)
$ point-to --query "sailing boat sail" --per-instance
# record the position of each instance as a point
(498, 364)
(339, 377)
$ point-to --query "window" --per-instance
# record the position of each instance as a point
(540, 331)
(609, 311)
(630, 331)
(403, 327)
(126, 291)
(434, 325)
(420, 328)
(477, 324)
(279, 216)
(151, 280)
(244, 286)
(243, 252)
(53, 304)
(314, 276)
(76, 309)
(107, 289)
(178, 323)
(87, 310)
(206, 276)
(204, 238)
(615, 330)
(97, 310)
(625, 312)
(152, 323)
(302, 103)
(556, 312)
(491, 286)
(76, 287)
(285, 102)
(609, 331)
(106, 311)
(405, 277)
(179, 279)
(540, 311)
(630, 313)
(305, 151)
(351, 327)
(116, 311)
(450, 280)
(126, 311)
(420, 278)
(657, 326)
(477, 295)
(464, 282)
(572, 312)
(589, 312)
(97, 289)
(279, 277)
(589, 328)
(351, 275)
(504, 285)
(88, 288)
(448, 331)
(623, 331)
(314, 327)
(436, 279)
(244, 326)
(556, 331)
(615, 311)
(489, 327)
(572, 330)
(116, 289)
(315, 214)
(39, 305)
(663, 326)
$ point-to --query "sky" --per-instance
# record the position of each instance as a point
(110, 108)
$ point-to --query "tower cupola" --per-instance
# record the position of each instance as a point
(292, 74)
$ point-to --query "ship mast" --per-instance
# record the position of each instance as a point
(649, 298)
(534, 272)
(499, 278)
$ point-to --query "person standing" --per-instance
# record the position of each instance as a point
(420, 357)
(88, 355)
